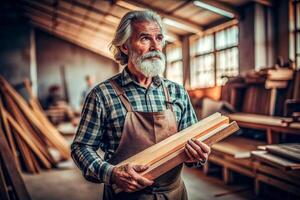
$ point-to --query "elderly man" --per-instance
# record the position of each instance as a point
(132, 111)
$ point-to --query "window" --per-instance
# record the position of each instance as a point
(174, 70)
(213, 57)
(297, 32)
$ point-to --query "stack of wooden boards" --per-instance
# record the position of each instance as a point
(12, 186)
(278, 165)
(262, 88)
(169, 153)
(28, 132)
(261, 92)
(233, 154)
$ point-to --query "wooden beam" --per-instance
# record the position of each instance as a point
(12, 170)
(180, 156)
(47, 130)
(62, 16)
(166, 146)
(170, 152)
(223, 6)
(195, 28)
(69, 37)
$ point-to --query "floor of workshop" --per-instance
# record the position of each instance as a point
(67, 182)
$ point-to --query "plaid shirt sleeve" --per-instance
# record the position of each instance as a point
(88, 139)
(188, 117)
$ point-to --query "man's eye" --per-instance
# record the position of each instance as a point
(159, 38)
(144, 38)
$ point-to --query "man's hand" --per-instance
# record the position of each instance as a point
(127, 177)
(196, 151)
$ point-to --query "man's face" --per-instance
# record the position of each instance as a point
(145, 48)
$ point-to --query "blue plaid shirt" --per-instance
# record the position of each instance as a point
(103, 117)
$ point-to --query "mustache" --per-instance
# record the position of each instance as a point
(152, 54)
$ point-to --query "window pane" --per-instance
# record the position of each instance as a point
(298, 43)
(204, 45)
(227, 64)
(227, 38)
(221, 39)
(174, 54)
(174, 69)
(175, 73)
(298, 14)
(202, 71)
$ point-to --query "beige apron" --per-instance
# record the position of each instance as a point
(142, 130)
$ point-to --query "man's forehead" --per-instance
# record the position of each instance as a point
(146, 27)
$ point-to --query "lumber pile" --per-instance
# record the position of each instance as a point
(12, 186)
(278, 165)
(282, 156)
(28, 132)
(236, 147)
(260, 92)
(233, 155)
(169, 153)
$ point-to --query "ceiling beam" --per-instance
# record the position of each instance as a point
(77, 14)
(47, 18)
(38, 7)
(180, 6)
(68, 37)
(220, 5)
(91, 9)
(193, 26)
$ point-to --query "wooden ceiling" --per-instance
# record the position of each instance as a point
(92, 23)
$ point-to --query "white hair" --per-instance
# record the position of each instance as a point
(124, 31)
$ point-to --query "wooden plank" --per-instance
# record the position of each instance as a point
(12, 170)
(274, 160)
(277, 183)
(3, 186)
(169, 140)
(264, 122)
(289, 151)
(237, 147)
(28, 130)
(25, 155)
(178, 156)
(48, 131)
(280, 174)
(257, 119)
(176, 141)
(28, 141)
(8, 133)
(231, 165)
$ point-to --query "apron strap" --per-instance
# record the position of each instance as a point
(167, 95)
(122, 96)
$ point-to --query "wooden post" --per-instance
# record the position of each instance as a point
(227, 175)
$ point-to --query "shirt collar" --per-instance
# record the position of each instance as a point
(126, 78)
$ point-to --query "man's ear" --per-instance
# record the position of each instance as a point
(124, 49)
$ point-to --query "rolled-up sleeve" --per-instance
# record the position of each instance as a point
(88, 139)
(188, 117)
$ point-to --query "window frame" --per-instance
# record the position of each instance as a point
(296, 33)
(215, 51)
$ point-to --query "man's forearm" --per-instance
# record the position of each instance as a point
(92, 166)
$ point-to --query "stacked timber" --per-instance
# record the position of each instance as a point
(233, 155)
(261, 92)
(265, 88)
(12, 186)
(28, 132)
(170, 152)
(278, 165)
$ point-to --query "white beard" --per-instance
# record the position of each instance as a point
(148, 65)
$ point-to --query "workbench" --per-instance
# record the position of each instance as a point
(272, 125)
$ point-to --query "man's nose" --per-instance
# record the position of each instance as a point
(155, 45)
